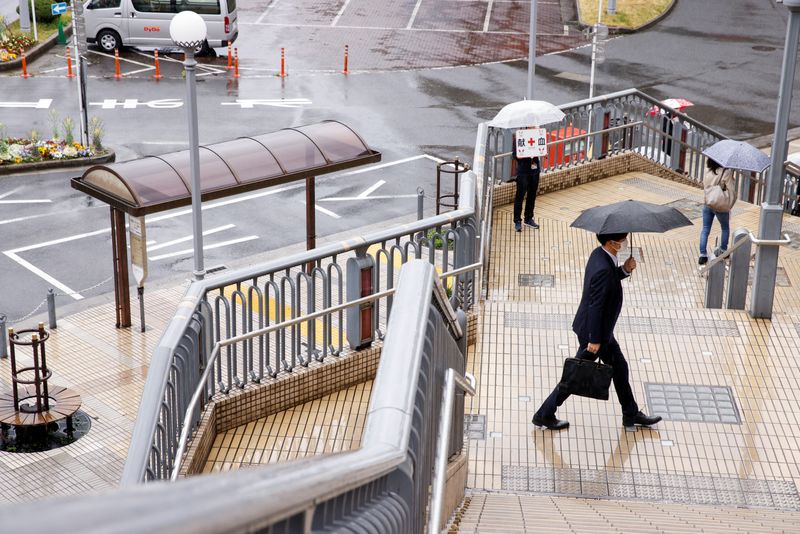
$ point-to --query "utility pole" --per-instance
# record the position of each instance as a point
(771, 217)
(531, 52)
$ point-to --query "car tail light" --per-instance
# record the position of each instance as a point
(227, 25)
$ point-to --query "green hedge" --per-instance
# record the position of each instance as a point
(43, 11)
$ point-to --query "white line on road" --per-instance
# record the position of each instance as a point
(42, 103)
(266, 11)
(370, 189)
(41, 274)
(9, 193)
(189, 237)
(413, 15)
(488, 16)
(384, 165)
(327, 212)
(42, 201)
(339, 14)
(376, 197)
(209, 247)
(20, 219)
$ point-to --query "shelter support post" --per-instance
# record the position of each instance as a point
(311, 219)
(771, 218)
(119, 246)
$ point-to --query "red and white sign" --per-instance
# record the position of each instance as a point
(531, 143)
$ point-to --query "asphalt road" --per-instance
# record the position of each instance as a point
(699, 52)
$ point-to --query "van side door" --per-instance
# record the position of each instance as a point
(102, 14)
(148, 22)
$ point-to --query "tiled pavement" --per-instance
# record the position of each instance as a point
(669, 338)
(671, 342)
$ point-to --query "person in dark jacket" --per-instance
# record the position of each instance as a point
(594, 323)
(527, 170)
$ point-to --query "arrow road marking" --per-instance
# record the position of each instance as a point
(275, 102)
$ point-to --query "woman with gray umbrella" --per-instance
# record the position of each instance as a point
(719, 196)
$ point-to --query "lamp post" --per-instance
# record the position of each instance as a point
(188, 30)
(771, 217)
(531, 51)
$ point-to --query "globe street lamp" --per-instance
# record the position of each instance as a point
(188, 30)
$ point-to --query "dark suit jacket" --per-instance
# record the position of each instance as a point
(601, 301)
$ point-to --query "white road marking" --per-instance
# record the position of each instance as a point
(384, 165)
(370, 189)
(406, 29)
(339, 14)
(9, 193)
(46, 277)
(209, 247)
(274, 102)
(42, 103)
(413, 15)
(266, 11)
(376, 197)
(20, 219)
(488, 16)
(42, 201)
(327, 212)
(189, 237)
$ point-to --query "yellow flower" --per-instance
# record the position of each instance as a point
(18, 160)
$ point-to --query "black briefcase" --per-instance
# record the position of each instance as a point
(586, 378)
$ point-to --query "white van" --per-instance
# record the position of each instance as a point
(116, 23)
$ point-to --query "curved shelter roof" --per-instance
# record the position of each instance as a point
(157, 183)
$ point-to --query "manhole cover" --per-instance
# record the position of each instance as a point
(44, 437)
(475, 426)
(692, 403)
(763, 48)
(536, 280)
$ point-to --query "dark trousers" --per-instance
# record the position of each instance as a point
(609, 354)
(526, 184)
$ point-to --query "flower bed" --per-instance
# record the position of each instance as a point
(16, 150)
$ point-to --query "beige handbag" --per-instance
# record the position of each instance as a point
(719, 197)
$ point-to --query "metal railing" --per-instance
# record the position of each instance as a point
(300, 314)
(628, 120)
(381, 488)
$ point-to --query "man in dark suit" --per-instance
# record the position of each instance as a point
(594, 323)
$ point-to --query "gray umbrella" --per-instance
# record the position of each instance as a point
(630, 216)
(737, 155)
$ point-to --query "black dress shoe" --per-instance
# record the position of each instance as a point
(551, 423)
(640, 419)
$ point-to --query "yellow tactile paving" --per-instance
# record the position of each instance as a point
(517, 360)
(333, 423)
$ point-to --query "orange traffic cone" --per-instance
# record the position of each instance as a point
(346, 58)
(117, 73)
(283, 63)
(157, 73)
(230, 58)
(69, 64)
(236, 63)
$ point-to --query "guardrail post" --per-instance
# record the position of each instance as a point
(3, 337)
(715, 285)
(51, 308)
(739, 270)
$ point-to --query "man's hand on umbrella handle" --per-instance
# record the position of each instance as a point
(629, 265)
(594, 348)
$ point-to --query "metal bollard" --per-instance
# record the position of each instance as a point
(420, 203)
(51, 308)
(715, 285)
(3, 337)
(740, 269)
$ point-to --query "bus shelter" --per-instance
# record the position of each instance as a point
(157, 183)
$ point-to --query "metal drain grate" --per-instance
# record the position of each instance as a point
(687, 402)
(536, 280)
(687, 489)
(634, 325)
(475, 426)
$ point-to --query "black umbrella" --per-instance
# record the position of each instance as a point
(630, 216)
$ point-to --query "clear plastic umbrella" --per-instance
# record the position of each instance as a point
(527, 113)
(737, 155)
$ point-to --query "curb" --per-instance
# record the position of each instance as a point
(619, 30)
(20, 168)
(35, 52)
(765, 141)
